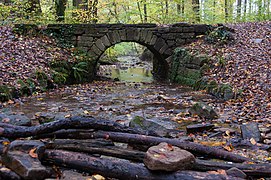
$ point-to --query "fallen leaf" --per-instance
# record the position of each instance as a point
(33, 153)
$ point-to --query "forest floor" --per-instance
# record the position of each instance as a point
(243, 63)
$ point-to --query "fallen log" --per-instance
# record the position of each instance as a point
(77, 122)
(212, 152)
(93, 146)
(189, 146)
(117, 168)
(258, 170)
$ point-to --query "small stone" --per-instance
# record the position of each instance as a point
(257, 41)
(25, 166)
(222, 129)
(203, 110)
(235, 172)
(194, 128)
(168, 158)
(251, 130)
(72, 175)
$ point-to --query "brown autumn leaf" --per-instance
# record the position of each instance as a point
(33, 153)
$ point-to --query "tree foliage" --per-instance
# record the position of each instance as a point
(136, 11)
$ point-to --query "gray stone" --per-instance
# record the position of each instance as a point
(159, 127)
(123, 35)
(106, 41)
(153, 40)
(235, 172)
(72, 175)
(96, 50)
(194, 128)
(148, 37)
(25, 166)
(168, 158)
(203, 110)
(251, 130)
(24, 145)
(15, 119)
(163, 49)
(257, 41)
(159, 44)
(100, 45)
(111, 37)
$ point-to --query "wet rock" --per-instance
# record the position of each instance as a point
(251, 130)
(235, 172)
(203, 110)
(168, 158)
(72, 175)
(24, 145)
(257, 40)
(15, 119)
(25, 166)
(194, 128)
(155, 126)
(6, 173)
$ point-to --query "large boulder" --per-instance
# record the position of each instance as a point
(168, 158)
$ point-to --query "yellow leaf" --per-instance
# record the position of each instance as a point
(268, 159)
(5, 143)
(98, 177)
(86, 112)
(212, 143)
(252, 141)
(68, 116)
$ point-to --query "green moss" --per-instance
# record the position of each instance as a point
(5, 93)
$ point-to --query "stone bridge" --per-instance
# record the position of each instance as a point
(161, 40)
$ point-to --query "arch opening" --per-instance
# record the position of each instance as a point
(125, 62)
(134, 49)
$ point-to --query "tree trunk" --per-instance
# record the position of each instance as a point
(145, 12)
(60, 6)
(117, 168)
(226, 9)
(239, 6)
(196, 9)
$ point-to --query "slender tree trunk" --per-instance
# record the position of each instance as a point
(245, 10)
(182, 7)
(196, 8)
(268, 10)
(260, 10)
(166, 7)
(239, 4)
(226, 10)
(145, 12)
(60, 6)
(178, 9)
(139, 10)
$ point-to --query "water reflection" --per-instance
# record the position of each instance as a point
(128, 69)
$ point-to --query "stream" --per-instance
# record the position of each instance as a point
(135, 93)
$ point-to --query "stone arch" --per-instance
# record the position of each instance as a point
(144, 37)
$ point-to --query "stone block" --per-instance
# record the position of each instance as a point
(137, 34)
(187, 35)
(111, 37)
(159, 44)
(130, 33)
(24, 165)
(163, 49)
(100, 45)
(96, 50)
(117, 36)
(143, 35)
(148, 37)
(176, 29)
(105, 41)
(123, 35)
(188, 29)
(170, 43)
(153, 40)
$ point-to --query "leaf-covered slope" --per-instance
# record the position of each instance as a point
(246, 67)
